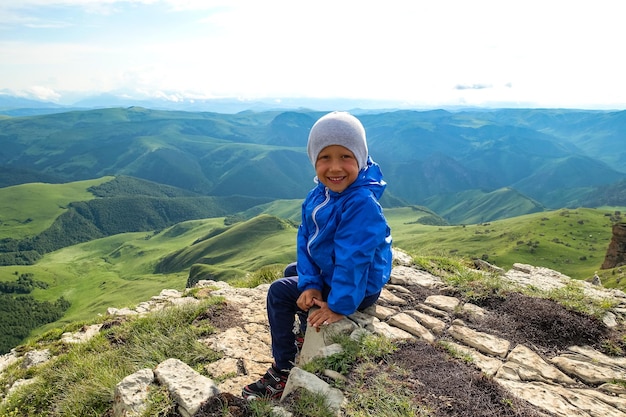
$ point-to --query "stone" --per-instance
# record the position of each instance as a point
(525, 365)
(432, 323)
(237, 343)
(433, 311)
(442, 302)
(391, 298)
(362, 319)
(591, 404)
(111, 311)
(299, 378)
(544, 396)
(335, 375)
(596, 280)
(485, 363)
(398, 289)
(473, 310)
(188, 388)
(131, 394)
(598, 357)
(409, 324)
(223, 367)
(19, 384)
(403, 275)
(600, 406)
(487, 267)
(586, 370)
(616, 252)
(315, 340)
(330, 350)
(380, 312)
(7, 360)
(401, 258)
(483, 342)
(393, 333)
(84, 334)
(313, 344)
(35, 357)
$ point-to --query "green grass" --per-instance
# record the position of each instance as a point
(119, 271)
(477, 286)
(111, 272)
(374, 389)
(261, 241)
(29, 209)
(81, 378)
(285, 209)
(474, 206)
(573, 242)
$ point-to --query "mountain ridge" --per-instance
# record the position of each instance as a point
(422, 154)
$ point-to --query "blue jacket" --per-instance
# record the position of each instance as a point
(344, 242)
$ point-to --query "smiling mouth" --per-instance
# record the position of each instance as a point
(336, 179)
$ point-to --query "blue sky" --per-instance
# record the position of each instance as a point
(548, 53)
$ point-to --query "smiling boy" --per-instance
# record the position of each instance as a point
(343, 245)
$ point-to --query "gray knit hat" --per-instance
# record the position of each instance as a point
(338, 128)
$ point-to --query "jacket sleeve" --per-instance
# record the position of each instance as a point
(308, 272)
(362, 230)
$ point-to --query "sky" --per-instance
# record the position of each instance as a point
(513, 53)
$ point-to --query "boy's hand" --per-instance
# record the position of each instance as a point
(323, 315)
(305, 301)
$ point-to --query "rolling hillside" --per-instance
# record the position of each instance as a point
(40, 218)
(548, 156)
(573, 242)
(475, 206)
(124, 269)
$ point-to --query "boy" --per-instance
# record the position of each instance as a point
(343, 245)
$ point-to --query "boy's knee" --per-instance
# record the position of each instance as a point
(274, 288)
(283, 288)
(291, 270)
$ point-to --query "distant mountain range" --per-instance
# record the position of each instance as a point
(467, 166)
(21, 106)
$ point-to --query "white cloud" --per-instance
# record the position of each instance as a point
(562, 53)
(43, 93)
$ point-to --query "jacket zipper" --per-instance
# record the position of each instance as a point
(313, 214)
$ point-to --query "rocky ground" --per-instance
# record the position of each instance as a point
(515, 342)
(453, 387)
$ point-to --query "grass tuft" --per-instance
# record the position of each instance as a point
(81, 381)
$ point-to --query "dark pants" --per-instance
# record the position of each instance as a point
(281, 312)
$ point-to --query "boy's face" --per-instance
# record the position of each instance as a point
(336, 167)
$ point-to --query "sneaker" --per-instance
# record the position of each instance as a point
(299, 342)
(271, 385)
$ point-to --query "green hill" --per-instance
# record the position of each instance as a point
(573, 242)
(475, 206)
(47, 217)
(610, 195)
(261, 241)
(423, 154)
(29, 209)
(563, 182)
(127, 268)
(284, 209)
